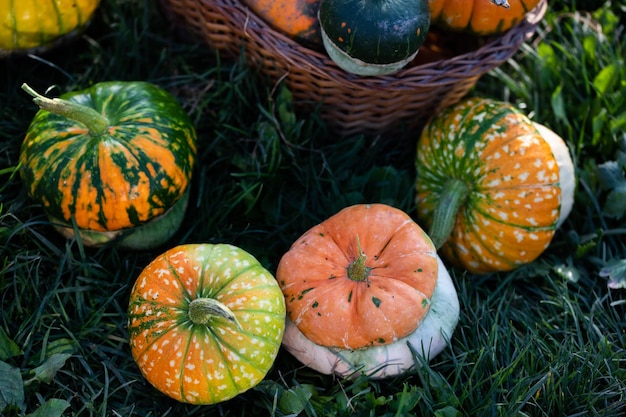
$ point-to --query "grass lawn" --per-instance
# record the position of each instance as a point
(547, 339)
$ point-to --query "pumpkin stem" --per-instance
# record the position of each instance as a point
(357, 271)
(202, 310)
(444, 217)
(95, 122)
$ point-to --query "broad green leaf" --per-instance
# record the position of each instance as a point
(615, 203)
(51, 408)
(448, 411)
(46, 371)
(615, 271)
(62, 345)
(610, 175)
(407, 400)
(558, 105)
(11, 387)
(294, 400)
(8, 348)
(604, 81)
(618, 123)
(597, 125)
(590, 46)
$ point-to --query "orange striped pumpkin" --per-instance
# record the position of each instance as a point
(29, 24)
(492, 186)
(480, 17)
(110, 160)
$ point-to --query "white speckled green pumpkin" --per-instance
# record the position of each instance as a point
(205, 322)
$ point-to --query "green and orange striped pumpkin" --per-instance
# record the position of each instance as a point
(205, 322)
(113, 161)
(492, 186)
(479, 17)
(26, 25)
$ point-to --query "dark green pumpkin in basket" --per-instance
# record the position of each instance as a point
(373, 37)
(111, 162)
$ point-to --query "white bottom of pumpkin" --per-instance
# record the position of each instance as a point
(155, 232)
(356, 66)
(567, 176)
(427, 341)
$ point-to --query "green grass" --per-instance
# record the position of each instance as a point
(548, 339)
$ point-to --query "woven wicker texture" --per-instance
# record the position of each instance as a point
(440, 75)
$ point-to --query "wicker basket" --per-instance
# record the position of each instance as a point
(352, 104)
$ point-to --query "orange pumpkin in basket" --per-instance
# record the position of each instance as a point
(480, 17)
(295, 18)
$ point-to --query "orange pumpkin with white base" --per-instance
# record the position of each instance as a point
(363, 289)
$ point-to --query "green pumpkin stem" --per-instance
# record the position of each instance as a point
(96, 123)
(446, 210)
(357, 271)
(203, 310)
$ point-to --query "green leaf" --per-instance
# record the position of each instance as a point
(8, 348)
(616, 272)
(62, 345)
(558, 105)
(610, 175)
(448, 411)
(615, 203)
(295, 400)
(604, 81)
(46, 371)
(11, 387)
(51, 408)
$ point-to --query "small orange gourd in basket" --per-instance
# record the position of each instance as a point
(479, 17)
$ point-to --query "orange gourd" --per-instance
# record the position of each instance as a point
(205, 322)
(492, 186)
(363, 277)
(37, 25)
(295, 18)
(480, 17)
(365, 292)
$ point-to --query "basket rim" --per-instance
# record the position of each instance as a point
(466, 65)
